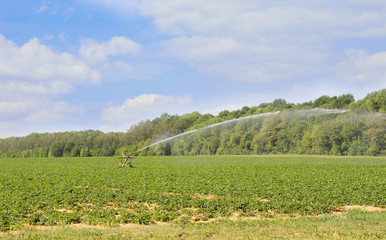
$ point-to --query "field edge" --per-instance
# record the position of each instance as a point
(353, 224)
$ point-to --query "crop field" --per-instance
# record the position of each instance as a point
(94, 191)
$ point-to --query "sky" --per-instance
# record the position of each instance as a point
(108, 64)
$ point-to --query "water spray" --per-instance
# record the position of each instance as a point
(307, 113)
(313, 112)
(207, 127)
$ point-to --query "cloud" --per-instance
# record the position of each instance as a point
(248, 62)
(363, 68)
(21, 90)
(261, 19)
(258, 41)
(145, 106)
(36, 62)
(63, 37)
(126, 68)
(95, 52)
(206, 49)
(42, 8)
(19, 118)
(33, 78)
(47, 37)
(262, 41)
(69, 12)
(37, 110)
(35, 74)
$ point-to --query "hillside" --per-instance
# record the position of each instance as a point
(359, 132)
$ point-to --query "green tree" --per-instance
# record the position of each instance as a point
(85, 152)
(57, 149)
(68, 148)
(322, 101)
(75, 151)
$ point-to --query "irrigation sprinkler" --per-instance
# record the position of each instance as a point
(126, 161)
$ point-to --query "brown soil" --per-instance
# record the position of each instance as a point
(202, 196)
(345, 209)
(236, 216)
(64, 210)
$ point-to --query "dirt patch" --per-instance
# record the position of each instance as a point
(261, 200)
(206, 221)
(83, 226)
(364, 208)
(191, 209)
(196, 195)
(9, 233)
(345, 209)
(270, 216)
(238, 217)
(202, 196)
(64, 210)
(196, 217)
(158, 223)
(170, 193)
(151, 206)
(86, 204)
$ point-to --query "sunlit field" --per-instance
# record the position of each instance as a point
(181, 191)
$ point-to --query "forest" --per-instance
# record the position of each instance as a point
(361, 131)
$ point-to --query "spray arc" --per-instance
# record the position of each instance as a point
(307, 113)
(207, 127)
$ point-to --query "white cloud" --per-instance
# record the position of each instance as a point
(146, 106)
(95, 52)
(248, 62)
(21, 90)
(55, 111)
(258, 41)
(36, 62)
(262, 41)
(33, 77)
(33, 73)
(19, 118)
(69, 12)
(207, 49)
(37, 110)
(42, 8)
(261, 19)
(63, 36)
(47, 37)
(123, 66)
(363, 68)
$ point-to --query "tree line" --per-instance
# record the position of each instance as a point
(361, 131)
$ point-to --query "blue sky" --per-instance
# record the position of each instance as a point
(108, 64)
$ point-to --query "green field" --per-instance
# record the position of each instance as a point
(185, 190)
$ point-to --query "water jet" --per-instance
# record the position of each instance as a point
(307, 113)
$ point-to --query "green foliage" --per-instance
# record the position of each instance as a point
(373, 102)
(57, 149)
(95, 191)
(75, 151)
(360, 132)
(85, 152)
(68, 148)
